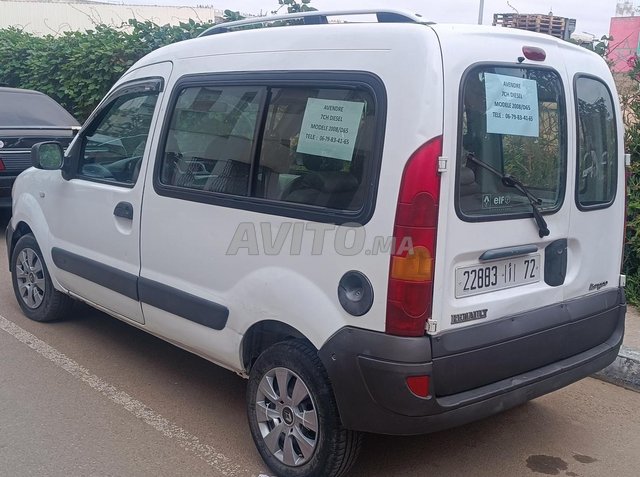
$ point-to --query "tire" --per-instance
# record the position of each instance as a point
(32, 285)
(293, 440)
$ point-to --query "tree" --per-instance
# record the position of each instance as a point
(294, 6)
(78, 68)
(231, 16)
(601, 46)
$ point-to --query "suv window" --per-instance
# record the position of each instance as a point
(597, 144)
(513, 120)
(114, 145)
(296, 145)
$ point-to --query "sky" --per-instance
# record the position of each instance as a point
(592, 16)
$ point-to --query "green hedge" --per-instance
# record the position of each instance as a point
(630, 95)
(78, 68)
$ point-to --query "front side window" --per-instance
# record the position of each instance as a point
(513, 125)
(114, 145)
(597, 144)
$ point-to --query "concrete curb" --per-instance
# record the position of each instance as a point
(624, 371)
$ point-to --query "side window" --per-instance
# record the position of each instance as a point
(210, 139)
(114, 145)
(295, 145)
(597, 144)
(315, 147)
(513, 123)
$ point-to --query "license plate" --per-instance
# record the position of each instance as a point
(498, 275)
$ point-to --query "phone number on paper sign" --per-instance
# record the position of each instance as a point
(518, 117)
(338, 140)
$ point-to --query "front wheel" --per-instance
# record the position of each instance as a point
(293, 416)
(32, 284)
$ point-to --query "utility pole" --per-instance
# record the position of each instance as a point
(481, 13)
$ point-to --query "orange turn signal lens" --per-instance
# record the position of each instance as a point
(416, 266)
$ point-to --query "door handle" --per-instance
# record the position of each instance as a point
(124, 210)
(508, 252)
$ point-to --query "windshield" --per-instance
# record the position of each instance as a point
(513, 120)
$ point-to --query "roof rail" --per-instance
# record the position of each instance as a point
(311, 18)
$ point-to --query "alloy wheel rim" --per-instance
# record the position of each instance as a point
(30, 278)
(287, 417)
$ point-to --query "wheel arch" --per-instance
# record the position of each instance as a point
(264, 334)
(22, 229)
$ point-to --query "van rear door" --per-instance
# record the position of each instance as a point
(505, 208)
(597, 198)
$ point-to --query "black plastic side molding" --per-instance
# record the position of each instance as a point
(109, 277)
(183, 304)
(555, 263)
(178, 302)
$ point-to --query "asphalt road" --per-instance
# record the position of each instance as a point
(91, 396)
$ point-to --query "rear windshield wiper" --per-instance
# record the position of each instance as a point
(510, 181)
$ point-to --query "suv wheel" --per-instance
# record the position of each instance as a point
(293, 415)
(32, 284)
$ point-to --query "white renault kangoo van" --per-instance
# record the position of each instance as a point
(387, 226)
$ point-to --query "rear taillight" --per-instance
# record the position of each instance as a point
(410, 292)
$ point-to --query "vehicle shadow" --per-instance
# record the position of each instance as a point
(489, 447)
(5, 215)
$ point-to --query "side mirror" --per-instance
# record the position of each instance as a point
(47, 155)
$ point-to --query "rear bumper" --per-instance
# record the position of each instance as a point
(368, 370)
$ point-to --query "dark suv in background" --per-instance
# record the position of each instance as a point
(26, 118)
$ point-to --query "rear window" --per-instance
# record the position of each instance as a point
(597, 144)
(513, 123)
(32, 109)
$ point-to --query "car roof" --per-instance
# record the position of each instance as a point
(361, 35)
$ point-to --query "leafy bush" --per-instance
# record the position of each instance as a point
(630, 99)
(294, 6)
(78, 68)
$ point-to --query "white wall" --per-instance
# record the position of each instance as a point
(42, 18)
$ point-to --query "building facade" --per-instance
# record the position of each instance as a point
(42, 17)
(624, 46)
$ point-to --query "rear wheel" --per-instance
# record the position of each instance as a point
(293, 415)
(32, 285)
